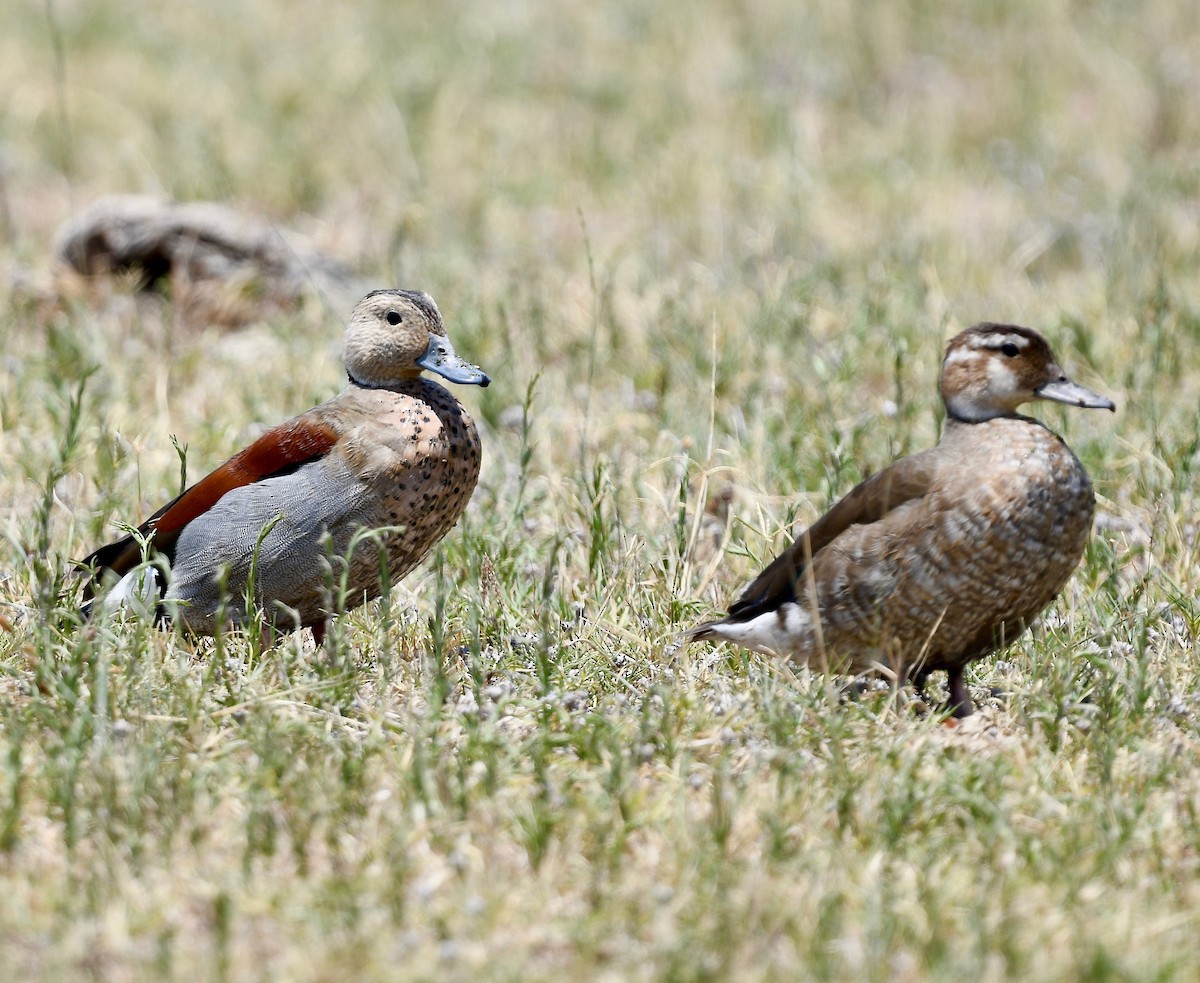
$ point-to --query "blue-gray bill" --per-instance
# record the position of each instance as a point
(1073, 394)
(440, 357)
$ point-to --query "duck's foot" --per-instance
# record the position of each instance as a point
(958, 704)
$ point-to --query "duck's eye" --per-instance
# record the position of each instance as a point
(1009, 349)
(393, 317)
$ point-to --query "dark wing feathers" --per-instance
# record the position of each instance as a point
(278, 451)
(869, 502)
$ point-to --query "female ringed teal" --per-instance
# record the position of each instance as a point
(945, 556)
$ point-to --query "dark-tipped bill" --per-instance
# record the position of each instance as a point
(1073, 394)
(440, 357)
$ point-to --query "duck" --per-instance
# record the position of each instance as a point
(945, 556)
(321, 512)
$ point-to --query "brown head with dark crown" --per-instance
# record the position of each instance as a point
(991, 369)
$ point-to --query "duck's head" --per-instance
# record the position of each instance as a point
(394, 335)
(991, 369)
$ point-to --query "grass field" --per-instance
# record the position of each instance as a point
(710, 254)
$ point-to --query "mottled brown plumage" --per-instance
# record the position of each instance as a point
(947, 555)
(363, 484)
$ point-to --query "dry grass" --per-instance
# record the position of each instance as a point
(709, 248)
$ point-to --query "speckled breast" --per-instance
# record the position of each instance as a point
(422, 465)
(979, 557)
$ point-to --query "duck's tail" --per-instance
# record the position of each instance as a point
(139, 593)
(710, 631)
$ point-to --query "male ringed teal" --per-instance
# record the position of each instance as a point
(945, 556)
(393, 452)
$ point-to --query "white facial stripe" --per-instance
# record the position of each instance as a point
(1003, 338)
(960, 355)
(1001, 379)
(985, 345)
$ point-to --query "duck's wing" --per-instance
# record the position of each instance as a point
(871, 500)
(280, 450)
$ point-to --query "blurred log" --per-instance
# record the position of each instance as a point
(214, 258)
